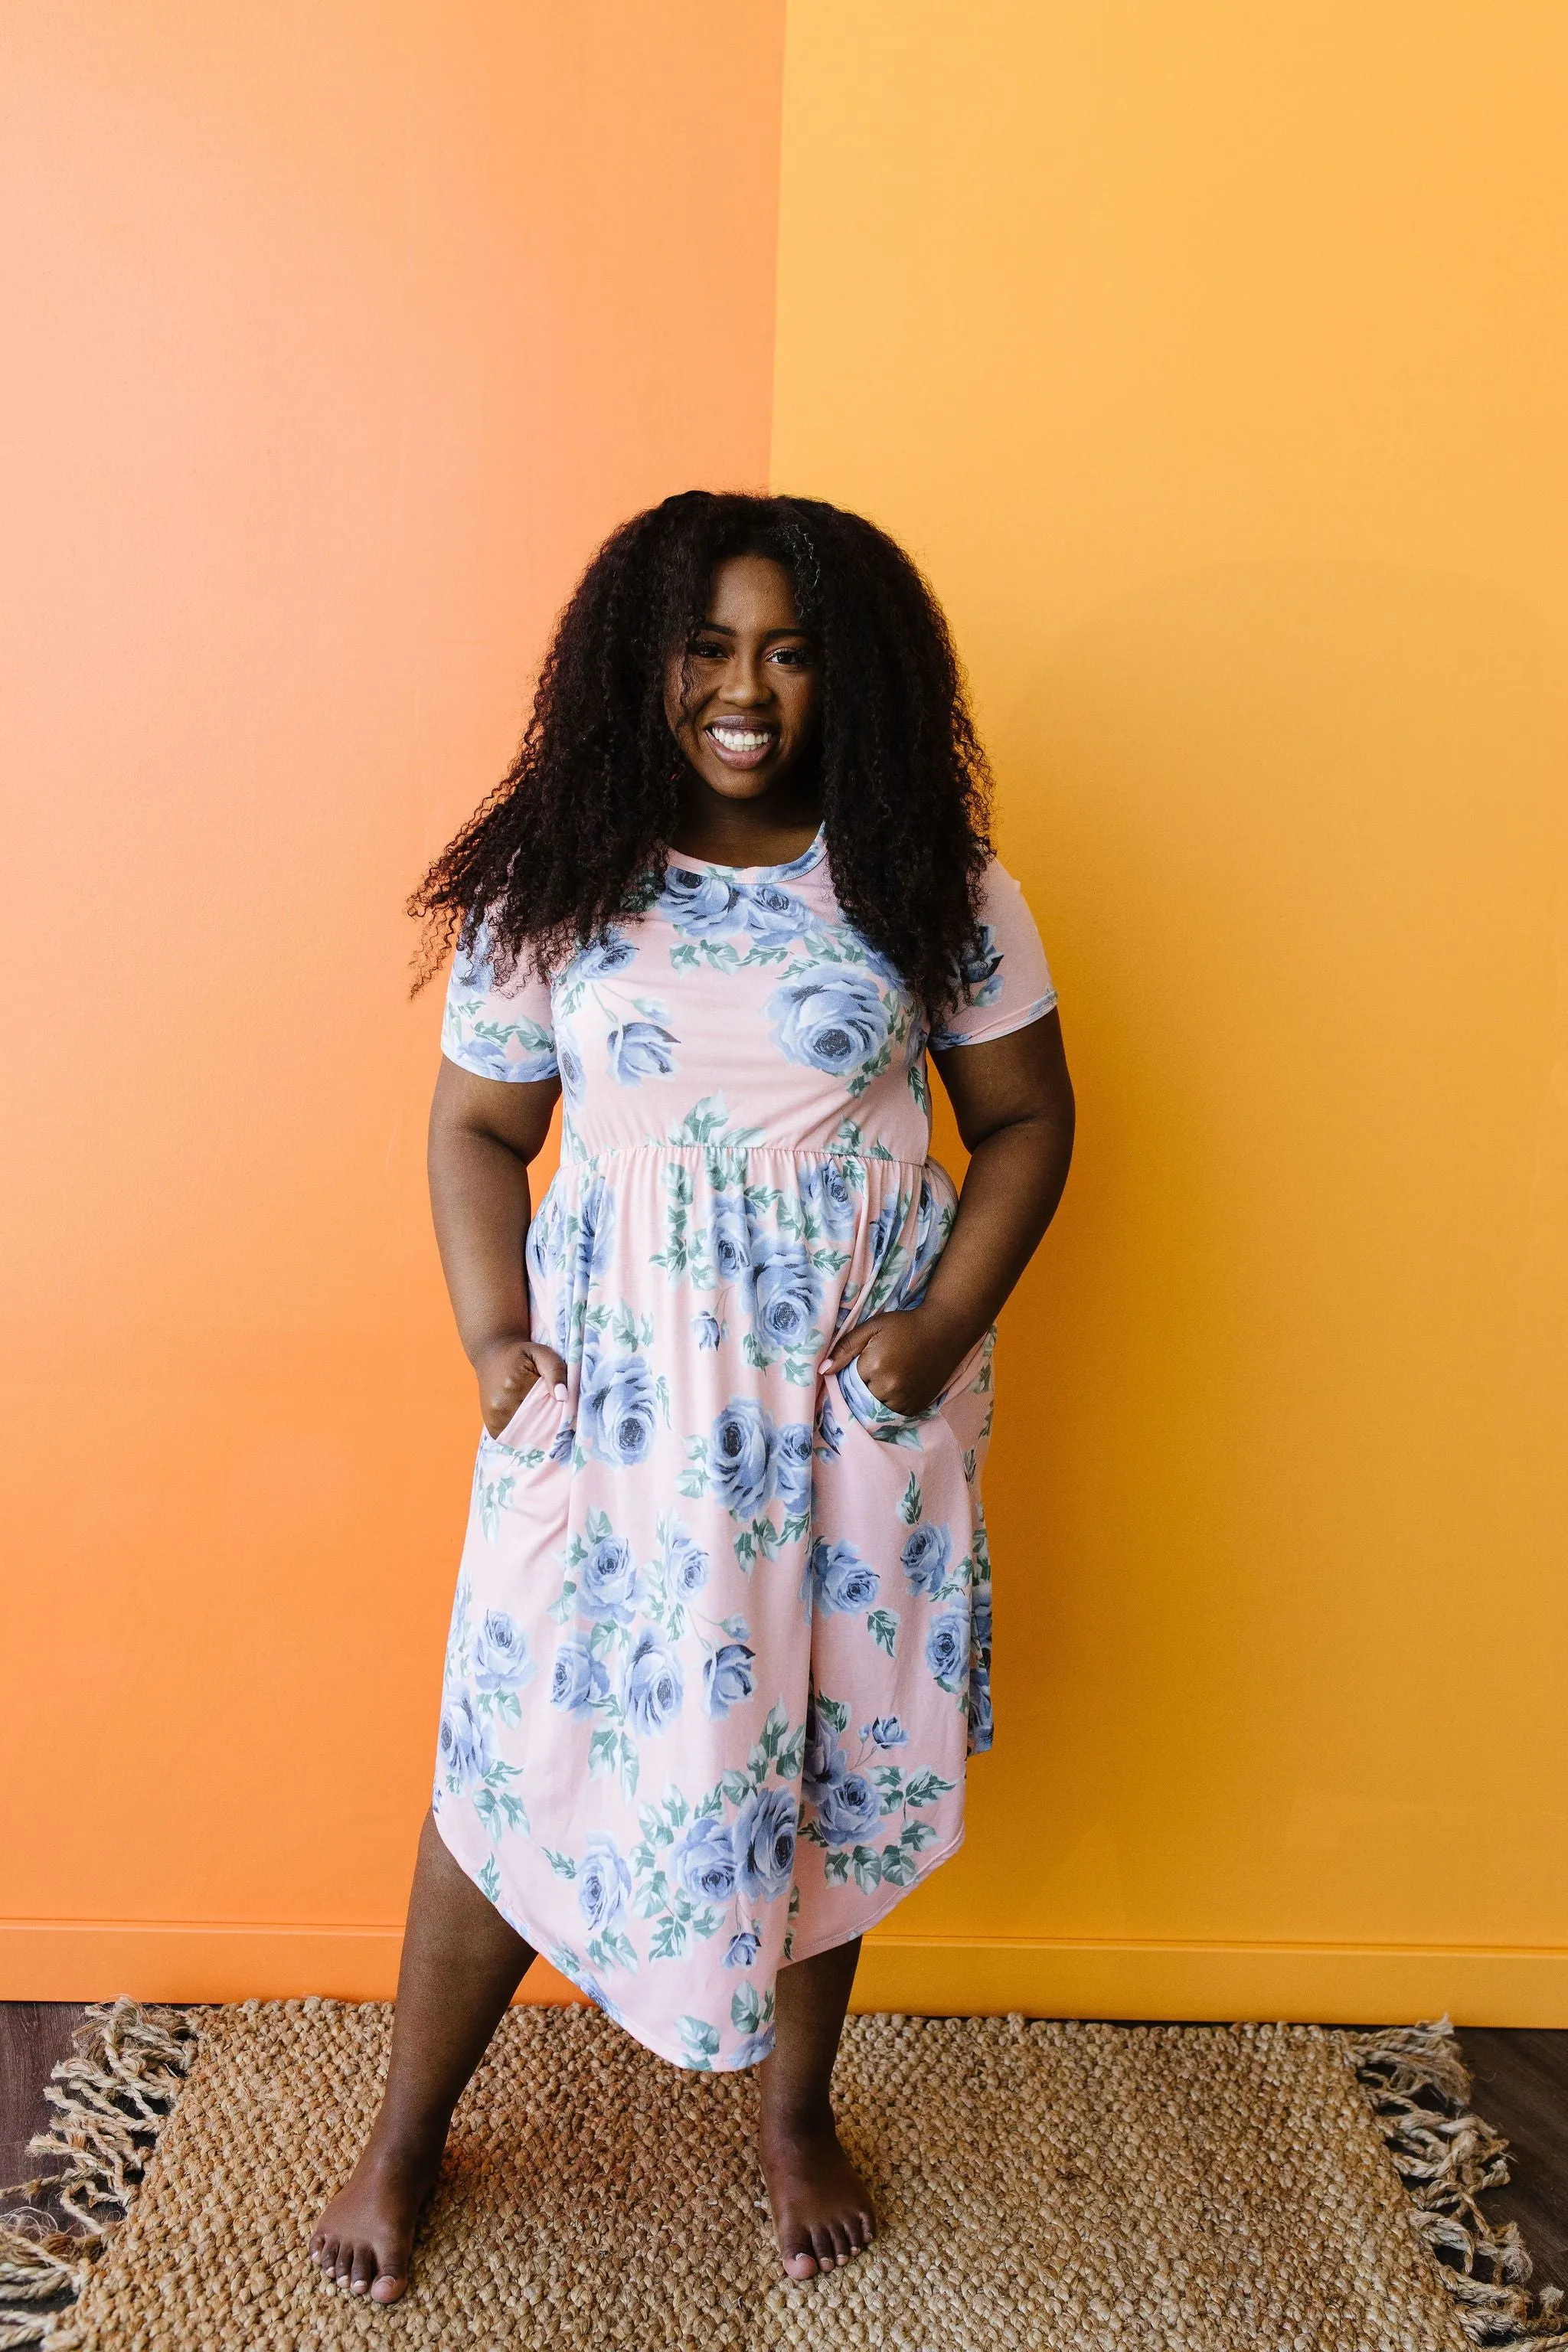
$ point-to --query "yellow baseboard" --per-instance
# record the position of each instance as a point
(981, 1976)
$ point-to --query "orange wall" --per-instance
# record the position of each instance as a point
(345, 332)
(1212, 358)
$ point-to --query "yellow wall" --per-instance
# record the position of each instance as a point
(1212, 358)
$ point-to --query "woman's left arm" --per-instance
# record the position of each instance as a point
(1013, 1103)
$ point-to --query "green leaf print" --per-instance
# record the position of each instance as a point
(882, 1625)
(603, 1750)
(898, 1868)
(652, 1897)
(833, 1711)
(560, 1864)
(745, 2009)
(489, 1879)
(788, 1762)
(867, 1864)
(698, 2040)
(911, 1507)
(669, 1939)
(926, 1788)
(835, 1868)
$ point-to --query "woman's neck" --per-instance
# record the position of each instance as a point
(768, 831)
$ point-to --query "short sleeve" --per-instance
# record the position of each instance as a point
(497, 1031)
(1008, 983)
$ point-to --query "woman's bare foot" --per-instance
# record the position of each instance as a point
(364, 2238)
(822, 2207)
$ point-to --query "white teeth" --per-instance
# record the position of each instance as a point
(739, 738)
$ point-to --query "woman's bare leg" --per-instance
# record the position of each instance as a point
(821, 2210)
(461, 1965)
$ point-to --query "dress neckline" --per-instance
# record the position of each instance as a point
(810, 856)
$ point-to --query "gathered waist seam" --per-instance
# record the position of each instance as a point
(735, 1152)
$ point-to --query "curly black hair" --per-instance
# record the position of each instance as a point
(576, 831)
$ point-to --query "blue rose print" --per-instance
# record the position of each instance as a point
(753, 2048)
(639, 1050)
(947, 1648)
(888, 1732)
(701, 906)
(617, 1412)
(730, 1238)
(473, 973)
(570, 1069)
(685, 1562)
(772, 914)
(787, 1288)
(500, 1653)
(610, 953)
(847, 1810)
(545, 1247)
(706, 1330)
(462, 1742)
(727, 1678)
(883, 1231)
(578, 1680)
(826, 1190)
(792, 1464)
(926, 1553)
(604, 1884)
(980, 1728)
(596, 1249)
(831, 1020)
(842, 1584)
(823, 1762)
(980, 967)
(980, 1615)
(764, 1844)
(743, 1948)
(705, 1861)
(607, 1582)
(741, 1457)
(655, 1685)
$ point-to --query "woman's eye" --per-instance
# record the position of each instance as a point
(793, 656)
(708, 649)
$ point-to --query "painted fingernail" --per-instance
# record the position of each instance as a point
(560, 1391)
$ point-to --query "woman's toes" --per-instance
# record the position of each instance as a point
(802, 2264)
(388, 2287)
(364, 2270)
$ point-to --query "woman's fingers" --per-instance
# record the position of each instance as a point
(847, 1346)
(549, 1366)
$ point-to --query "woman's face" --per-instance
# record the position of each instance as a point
(742, 697)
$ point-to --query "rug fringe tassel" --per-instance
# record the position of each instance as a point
(110, 2100)
(1419, 2091)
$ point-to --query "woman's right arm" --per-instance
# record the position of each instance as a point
(483, 1134)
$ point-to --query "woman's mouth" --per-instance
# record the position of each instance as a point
(740, 746)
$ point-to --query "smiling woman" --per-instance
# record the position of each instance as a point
(721, 1647)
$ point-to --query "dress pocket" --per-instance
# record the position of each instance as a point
(535, 1427)
(912, 1429)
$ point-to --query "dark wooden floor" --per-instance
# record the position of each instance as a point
(1521, 2086)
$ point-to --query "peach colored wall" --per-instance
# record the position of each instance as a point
(338, 337)
(1213, 357)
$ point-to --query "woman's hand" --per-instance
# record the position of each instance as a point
(508, 1372)
(906, 1358)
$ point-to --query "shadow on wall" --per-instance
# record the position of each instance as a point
(1276, 1400)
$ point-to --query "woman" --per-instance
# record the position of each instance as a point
(721, 1637)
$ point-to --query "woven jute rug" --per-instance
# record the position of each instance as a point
(1065, 2187)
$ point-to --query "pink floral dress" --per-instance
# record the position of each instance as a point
(722, 1629)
